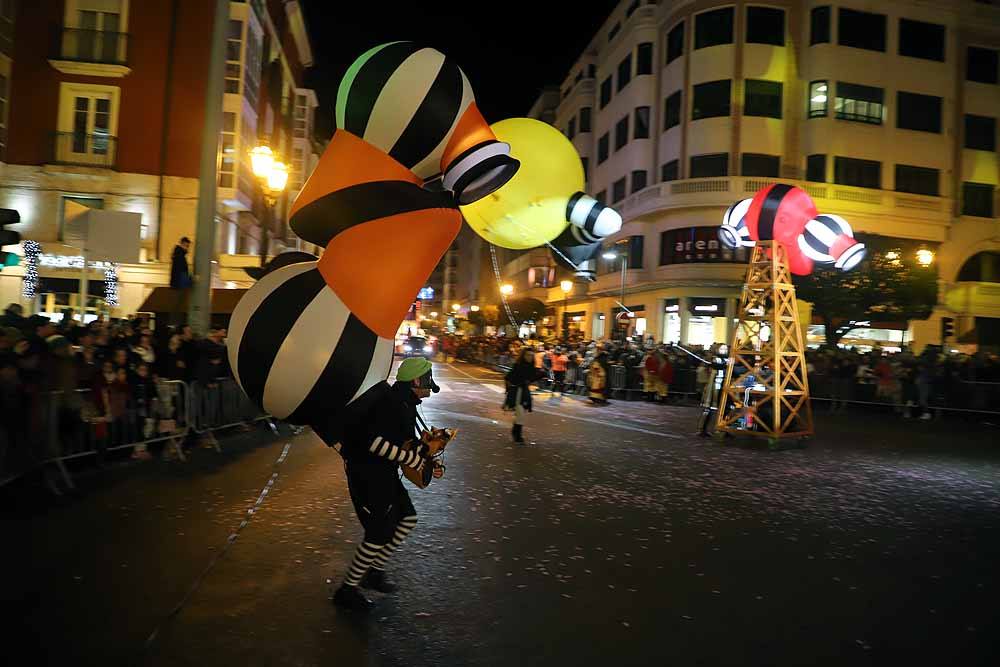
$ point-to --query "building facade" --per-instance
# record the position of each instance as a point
(104, 107)
(885, 112)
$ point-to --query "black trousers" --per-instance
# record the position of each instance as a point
(379, 497)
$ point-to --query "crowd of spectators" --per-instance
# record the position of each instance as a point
(906, 383)
(101, 380)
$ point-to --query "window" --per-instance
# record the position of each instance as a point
(639, 177)
(301, 117)
(298, 165)
(614, 31)
(862, 30)
(605, 92)
(980, 133)
(765, 25)
(96, 37)
(981, 65)
(621, 133)
(977, 199)
(602, 197)
(862, 173)
(227, 150)
(624, 72)
(669, 171)
(3, 116)
(921, 40)
(918, 112)
(863, 104)
(762, 98)
(644, 59)
(234, 44)
(675, 42)
(816, 168)
(713, 28)
(571, 129)
(705, 166)
(635, 251)
(585, 161)
(88, 123)
(602, 148)
(641, 123)
(819, 26)
(618, 190)
(631, 8)
(672, 111)
(585, 119)
(755, 164)
(918, 180)
(711, 99)
(252, 56)
(818, 99)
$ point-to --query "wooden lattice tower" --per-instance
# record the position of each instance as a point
(766, 389)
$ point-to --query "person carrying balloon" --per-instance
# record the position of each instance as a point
(372, 445)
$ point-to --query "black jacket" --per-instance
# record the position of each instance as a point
(390, 413)
(519, 377)
(180, 276)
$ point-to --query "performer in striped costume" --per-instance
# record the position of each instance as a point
(372, 444)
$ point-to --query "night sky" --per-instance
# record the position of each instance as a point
(508, 56)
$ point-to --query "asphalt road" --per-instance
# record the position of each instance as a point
(615, 538)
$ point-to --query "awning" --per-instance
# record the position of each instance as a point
(170, 300)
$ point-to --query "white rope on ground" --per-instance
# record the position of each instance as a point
(219, 554)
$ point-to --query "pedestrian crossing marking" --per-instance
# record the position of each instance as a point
(498, 389)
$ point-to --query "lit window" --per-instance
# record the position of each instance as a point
(818, 100)
(863, 104)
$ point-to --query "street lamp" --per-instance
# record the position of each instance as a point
(567, 287)
(273, 177)
(611, 255)
(506, 289)
(474, 309)
(456, 306)
(925, 257)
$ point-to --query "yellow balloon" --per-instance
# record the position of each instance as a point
(530, 209)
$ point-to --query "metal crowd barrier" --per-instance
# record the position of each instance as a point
(60, 426)
(959, 396)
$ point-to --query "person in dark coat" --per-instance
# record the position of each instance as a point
(518, 399)
(180, 275)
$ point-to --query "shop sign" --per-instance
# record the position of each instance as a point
(69, 262)
(696, 245)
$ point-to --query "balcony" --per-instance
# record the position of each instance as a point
(877, 211)
(91, 53)
(85, 150)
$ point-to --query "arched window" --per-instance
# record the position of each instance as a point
(983, 267)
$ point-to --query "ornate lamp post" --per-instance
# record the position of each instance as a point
(273, 177)
(566, 286)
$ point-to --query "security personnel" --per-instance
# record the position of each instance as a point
(371, 443)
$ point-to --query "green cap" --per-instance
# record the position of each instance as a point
(412, 368)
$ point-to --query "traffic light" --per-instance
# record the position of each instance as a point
(8, 216)
(947, 328)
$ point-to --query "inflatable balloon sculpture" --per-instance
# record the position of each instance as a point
(311, 337)
(786, 214)
(543, 204)
(314, 336)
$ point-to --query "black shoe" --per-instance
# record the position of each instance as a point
(375, 580)
(350, 597)
(516, 433)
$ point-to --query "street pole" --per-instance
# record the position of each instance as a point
(624, 306)
(264, 228)
(200, 307)
(565, 317)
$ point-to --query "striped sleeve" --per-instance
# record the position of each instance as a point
(384, 449)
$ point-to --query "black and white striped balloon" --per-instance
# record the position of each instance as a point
(298, 351)
(734, 232)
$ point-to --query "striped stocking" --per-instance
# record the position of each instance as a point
(363, 558)
(403, 529)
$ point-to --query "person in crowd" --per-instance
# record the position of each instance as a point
(518, 398)
(143, 393)
(143, 351)
(180, 274)
(598, 377)
(13, 316)
(171, 364)
(560, 364)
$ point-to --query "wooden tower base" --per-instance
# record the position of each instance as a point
(765, 392)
